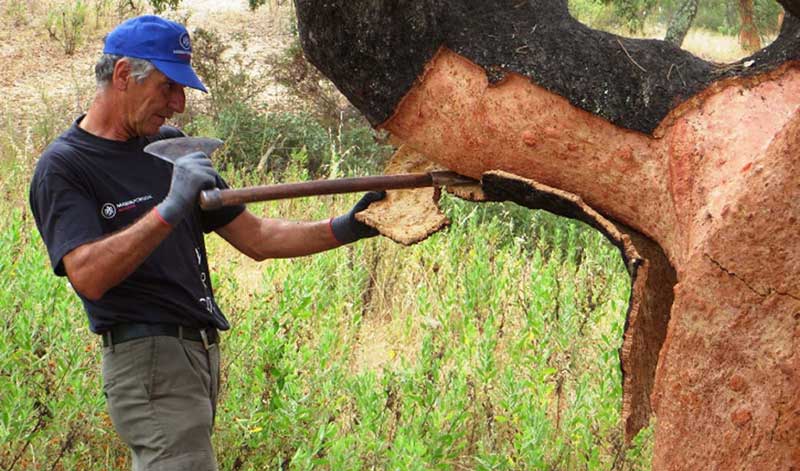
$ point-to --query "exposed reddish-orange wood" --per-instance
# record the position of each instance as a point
(734, 358)
(457, 118)
(717, 186)
(661, 187)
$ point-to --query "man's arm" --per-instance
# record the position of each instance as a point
(98, 266)
(262, 238)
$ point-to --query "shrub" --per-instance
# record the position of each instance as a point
(304, 82)
(161, 6)
(269, 141)
(66, 25)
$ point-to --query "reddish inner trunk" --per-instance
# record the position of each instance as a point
(717, 186)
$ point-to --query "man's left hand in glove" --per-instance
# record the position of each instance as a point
(346, 228)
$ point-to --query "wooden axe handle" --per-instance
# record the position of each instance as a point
(216, 198)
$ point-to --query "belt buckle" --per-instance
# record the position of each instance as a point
(204, 336)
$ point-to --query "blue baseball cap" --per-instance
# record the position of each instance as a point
(164, 43)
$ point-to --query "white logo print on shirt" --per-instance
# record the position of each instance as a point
(109, 210)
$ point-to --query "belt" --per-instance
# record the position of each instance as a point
(121, 333)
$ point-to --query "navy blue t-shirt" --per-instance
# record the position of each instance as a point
(86, 187)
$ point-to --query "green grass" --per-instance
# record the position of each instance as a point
(492, 345)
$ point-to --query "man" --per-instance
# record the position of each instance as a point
(125, 228)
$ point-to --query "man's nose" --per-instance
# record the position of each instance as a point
(177, 99)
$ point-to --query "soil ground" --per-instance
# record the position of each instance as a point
(35, 67)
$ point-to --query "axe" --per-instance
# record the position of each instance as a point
(171, 149)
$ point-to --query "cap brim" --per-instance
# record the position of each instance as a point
(180, 72)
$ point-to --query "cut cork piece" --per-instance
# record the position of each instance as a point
(407, 216)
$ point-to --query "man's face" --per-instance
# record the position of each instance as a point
(150, 103)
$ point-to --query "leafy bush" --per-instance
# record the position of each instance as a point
(307, 84)
(256, 4)
(161, 6)
(269, 141)
(66, 24)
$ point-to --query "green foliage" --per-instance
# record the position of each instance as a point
(227, 75)
(66, 24)
(268, 141)
(475, 349)
(160, 6)
(307, 84)
(254, 4)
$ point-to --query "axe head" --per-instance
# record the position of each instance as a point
(172, 149)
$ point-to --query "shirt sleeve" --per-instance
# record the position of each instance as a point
(66, 215)
(214, 219)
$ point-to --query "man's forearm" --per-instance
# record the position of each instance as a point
(263, 238)
(98, 266)
(284, 239)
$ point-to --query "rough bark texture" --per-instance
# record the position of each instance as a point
(702, 160)
(680, 22)
(375, 59)
(407, 216)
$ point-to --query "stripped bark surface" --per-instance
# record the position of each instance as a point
(701, 160)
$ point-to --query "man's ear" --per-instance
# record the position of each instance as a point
(121, 75)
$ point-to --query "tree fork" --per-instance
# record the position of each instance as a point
(702, 160)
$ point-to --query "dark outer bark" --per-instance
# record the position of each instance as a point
(504, 186)
(374, 50)
(791, 6)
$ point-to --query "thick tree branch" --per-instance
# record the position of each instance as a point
(375, 50)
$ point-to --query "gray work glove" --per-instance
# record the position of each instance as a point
(190, 174)
(346, 228)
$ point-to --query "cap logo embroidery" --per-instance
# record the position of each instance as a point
(185, 41)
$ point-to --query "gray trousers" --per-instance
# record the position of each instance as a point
(162, 397)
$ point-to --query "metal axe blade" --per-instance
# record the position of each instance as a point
(172, 149)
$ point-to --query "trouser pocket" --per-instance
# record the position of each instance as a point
(161, 400)
(127, 385)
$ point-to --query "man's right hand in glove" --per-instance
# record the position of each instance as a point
(191, 174)
(97, 266)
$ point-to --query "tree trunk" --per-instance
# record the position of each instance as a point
(700, 160)
(748, 36)
(680, 22)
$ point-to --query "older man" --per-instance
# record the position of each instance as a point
(125, 229)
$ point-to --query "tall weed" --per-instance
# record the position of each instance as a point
(66, 24)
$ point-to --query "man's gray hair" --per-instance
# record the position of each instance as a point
(104, 69)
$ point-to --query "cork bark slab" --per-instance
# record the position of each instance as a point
(407, 216)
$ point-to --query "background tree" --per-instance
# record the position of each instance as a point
(748, 34)
(680, 22)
